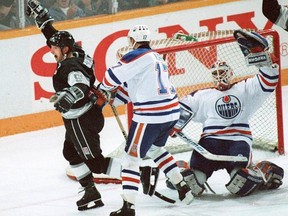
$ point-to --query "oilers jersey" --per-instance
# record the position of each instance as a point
(143, 78)
(226, 114)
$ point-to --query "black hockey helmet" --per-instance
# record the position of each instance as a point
(62, 39)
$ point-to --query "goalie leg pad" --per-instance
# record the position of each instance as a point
(149, 178)
(272, 173)
(197, 186)
(183, 165)
(244, 182)
(191, 177)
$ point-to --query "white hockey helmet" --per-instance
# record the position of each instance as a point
(140, 33)
(222, 75)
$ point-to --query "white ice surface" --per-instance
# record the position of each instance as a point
(33, 181)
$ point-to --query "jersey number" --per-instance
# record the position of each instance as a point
(163, 78)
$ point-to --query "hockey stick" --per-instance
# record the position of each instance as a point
(208, 154)
(156, 193)
(119, 121)
(161, 196)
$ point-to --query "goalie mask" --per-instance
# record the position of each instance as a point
(139, 33)
(222, 75)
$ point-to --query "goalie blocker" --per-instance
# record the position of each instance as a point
(185, 117)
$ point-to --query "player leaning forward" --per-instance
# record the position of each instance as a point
(83, 119)
(142, 78)
(228, 132)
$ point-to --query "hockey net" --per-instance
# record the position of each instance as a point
(188, 64)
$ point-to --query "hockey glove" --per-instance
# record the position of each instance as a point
(101, 97)
(64, 100)
(174, 131)
(254, 47)
(40, 14)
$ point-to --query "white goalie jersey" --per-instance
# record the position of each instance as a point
(226, 114)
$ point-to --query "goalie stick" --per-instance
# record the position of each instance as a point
(161, 196)
(156, 193)
(208, 154)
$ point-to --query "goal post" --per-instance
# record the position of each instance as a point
(188, 64)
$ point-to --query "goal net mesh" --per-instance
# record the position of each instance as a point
(188, 65)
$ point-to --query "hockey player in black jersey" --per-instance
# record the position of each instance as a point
(80, 108)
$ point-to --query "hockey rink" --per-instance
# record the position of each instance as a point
(33, 181)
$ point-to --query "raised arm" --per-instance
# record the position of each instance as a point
(276, 13)
(42, 18)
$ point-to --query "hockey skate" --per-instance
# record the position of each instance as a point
(185, 193)
(91, 198)
(128, 209)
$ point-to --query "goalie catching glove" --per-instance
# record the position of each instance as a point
(254, 47)
(272, 175)
(40, 14)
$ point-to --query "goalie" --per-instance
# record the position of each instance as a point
(224, 112)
